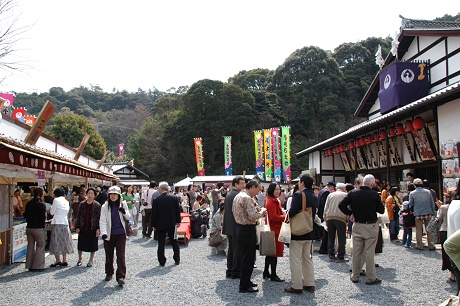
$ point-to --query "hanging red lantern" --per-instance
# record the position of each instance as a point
(362, 141)
(383, 135)
(418, 123)
(408, 127)
(369, 139)
(392, 132)
(342, 148)
(329, 152)
(376, 137)
(351, 145)
(357, 143)
(400, 129)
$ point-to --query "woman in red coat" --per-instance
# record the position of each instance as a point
(275, 218)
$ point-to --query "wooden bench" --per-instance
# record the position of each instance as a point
(183, 232)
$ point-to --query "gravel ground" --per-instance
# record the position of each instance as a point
(409, 277)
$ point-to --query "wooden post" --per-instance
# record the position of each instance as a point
(40, 123)
(99, 164)
(82, 146)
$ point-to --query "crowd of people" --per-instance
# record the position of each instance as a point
(367, 211)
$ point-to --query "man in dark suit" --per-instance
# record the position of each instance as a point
(229, 229)
(165, 218)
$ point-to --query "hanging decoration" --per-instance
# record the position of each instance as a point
(276, 152)
(402, 131)
(286, 153)
(228, 155)
(199, 156)
(421, 138)
(259, 150)
(268, 157)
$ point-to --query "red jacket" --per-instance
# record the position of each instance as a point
(276, 218)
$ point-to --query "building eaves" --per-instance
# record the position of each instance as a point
(439, 97)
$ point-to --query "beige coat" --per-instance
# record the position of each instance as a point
(331, 208)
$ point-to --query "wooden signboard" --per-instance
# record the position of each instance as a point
(40, 123)
(423, 144)
(372, 158)
(352, 159)
(345, 161)
(395, 157)
(360, 159)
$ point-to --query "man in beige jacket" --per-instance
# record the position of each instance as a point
(336, 223)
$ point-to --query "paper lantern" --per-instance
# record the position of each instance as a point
(369, 139)
(408, 127)
(351, 145)
(418, 123)
(362, 141)
(392, 132)
(383, 135)
(376, 137)
(400, 129)
(342, 148)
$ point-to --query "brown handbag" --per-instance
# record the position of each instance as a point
(302, 223)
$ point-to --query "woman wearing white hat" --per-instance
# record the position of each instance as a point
(114, 215)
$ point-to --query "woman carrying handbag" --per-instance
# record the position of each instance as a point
(275, 219)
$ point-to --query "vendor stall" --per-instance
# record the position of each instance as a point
(47, 163)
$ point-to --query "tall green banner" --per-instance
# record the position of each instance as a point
(286, 153)
(228, 154)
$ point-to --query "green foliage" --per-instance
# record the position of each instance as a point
(70, 128)
(314, 91)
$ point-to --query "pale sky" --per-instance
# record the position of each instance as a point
(148, 43)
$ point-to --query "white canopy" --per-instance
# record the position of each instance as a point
(184, 183)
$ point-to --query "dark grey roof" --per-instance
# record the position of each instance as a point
(407, 23)
(439, 97)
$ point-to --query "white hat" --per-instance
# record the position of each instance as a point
(341, 186)
(115, 189)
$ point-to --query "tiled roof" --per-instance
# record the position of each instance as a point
(407, 23)
(380, 121)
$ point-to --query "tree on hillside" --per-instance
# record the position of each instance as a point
(211, 110)
(149, 146)
(70, 128)
(256, 79)
(117, 126)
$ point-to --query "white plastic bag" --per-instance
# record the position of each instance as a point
(261, 227)
(385, 234)
(349, 246)
(285, 231)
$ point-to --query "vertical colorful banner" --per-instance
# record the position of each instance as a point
(268, 155)
(286, 153)
(199, 156)
(259, 150)
(276, 151)
(228, 154)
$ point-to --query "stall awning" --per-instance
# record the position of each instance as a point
(15, 152)
(440, 97)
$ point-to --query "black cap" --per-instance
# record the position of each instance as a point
(330, 184)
